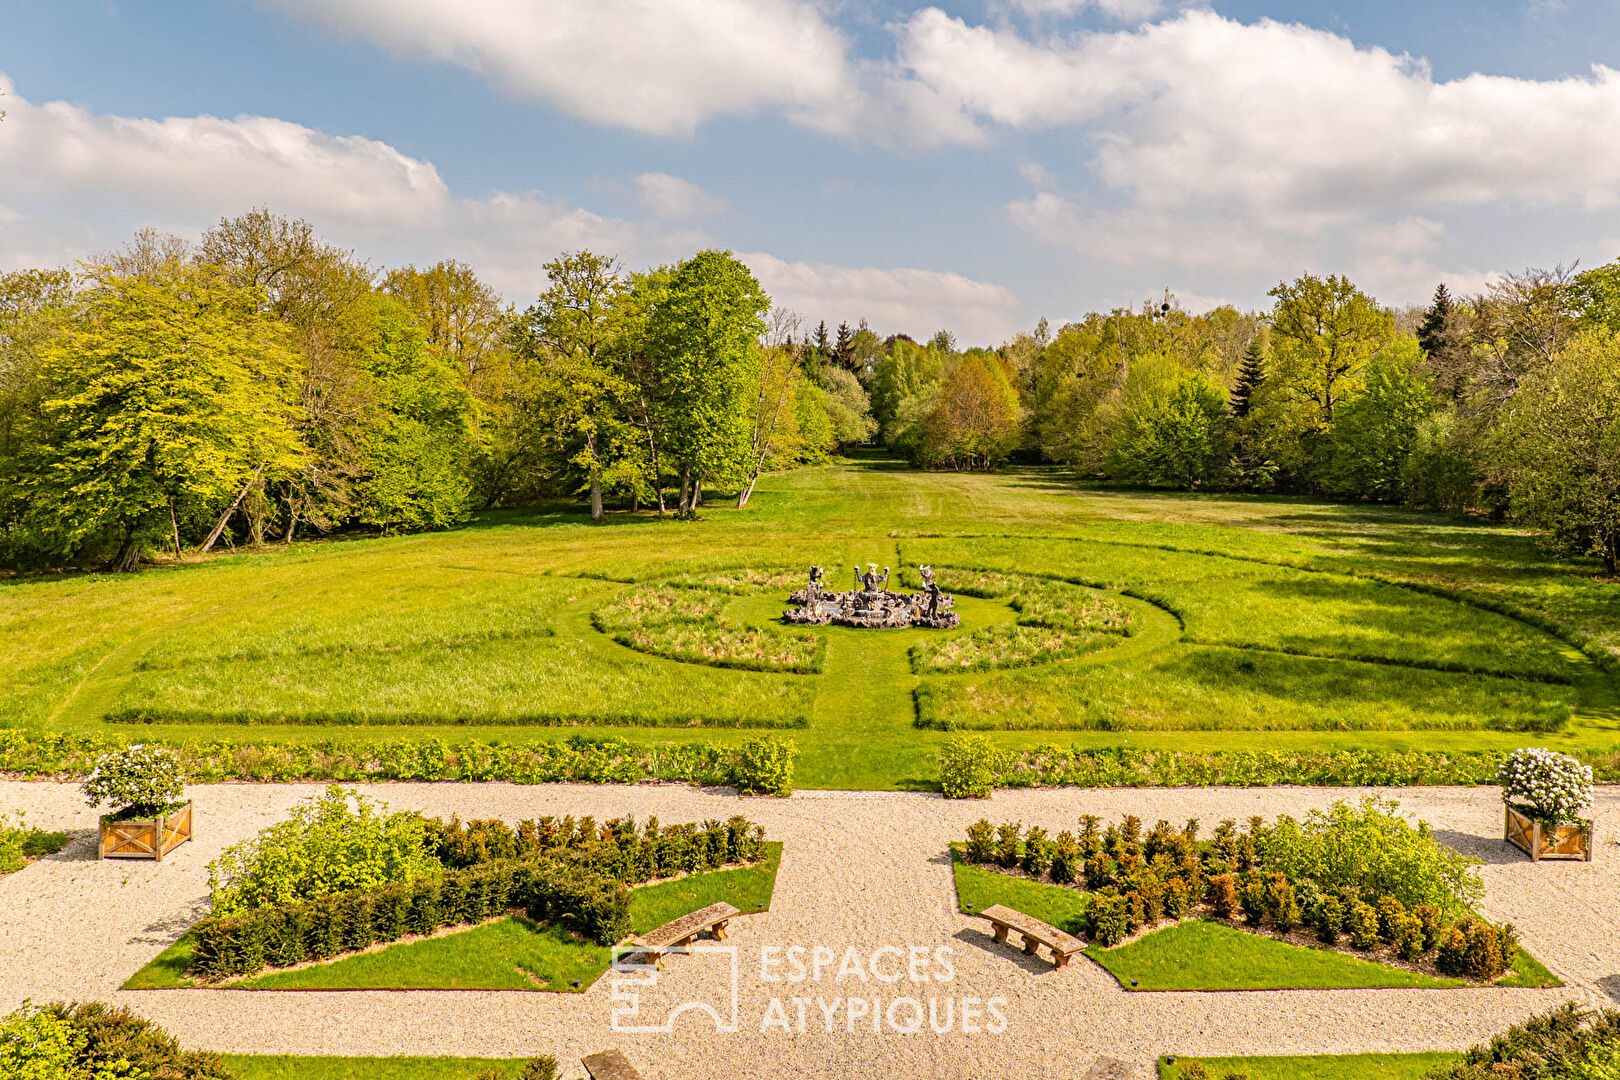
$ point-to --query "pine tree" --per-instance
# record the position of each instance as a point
(823, 344)
(844, 347)
(1444, 337)
(1251, 373)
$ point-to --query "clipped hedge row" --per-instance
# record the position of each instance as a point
(577, 759)
(595, 905)
(1058, 766)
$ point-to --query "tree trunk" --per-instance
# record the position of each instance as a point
(686, 491)
(596, 478)
(129, 556)
(748, 490)
(697, 492)
(219, 526)
(174, 525)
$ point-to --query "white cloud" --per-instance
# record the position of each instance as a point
(1270, 115)
(655, 66)
(675, 199)
(1145, 238)
(916, 302)
(1123, 10)
(61, 151)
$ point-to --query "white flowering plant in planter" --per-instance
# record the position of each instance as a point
(1546, 785)
(139, 781)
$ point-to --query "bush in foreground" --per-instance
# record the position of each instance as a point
(332, 842)
(764, 766)
(94, 1041)
(139, 781)
(968, 766)
(1568, 1043)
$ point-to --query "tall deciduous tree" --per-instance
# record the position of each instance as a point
(1378, 427)
(573, 334)
(974, 420)
(1323, 331)
(702, 336)
(167, 396)
(1558, 446)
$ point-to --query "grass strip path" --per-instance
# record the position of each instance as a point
(1319, 1067)
(286, 1067)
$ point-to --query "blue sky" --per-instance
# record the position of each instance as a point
(974, 166)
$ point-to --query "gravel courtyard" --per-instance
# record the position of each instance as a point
(860, 869)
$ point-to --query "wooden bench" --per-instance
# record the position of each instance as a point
(711, 919)
(1034, 932)
(610, 1065)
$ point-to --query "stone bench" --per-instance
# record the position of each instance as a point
(712, 919)
(610, 1065)
(1034, 932)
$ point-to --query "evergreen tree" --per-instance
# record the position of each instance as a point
(822, 343)
(1443, 336)
(1251, 373)
(844, 347)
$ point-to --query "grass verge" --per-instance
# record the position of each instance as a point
(284, 1067)
(1317, 1067)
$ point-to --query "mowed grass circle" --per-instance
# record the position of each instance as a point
(1089, 619)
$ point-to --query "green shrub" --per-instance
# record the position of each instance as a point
(1107, 918)
(764, 766)
(1253, 899)
(1099, 871)
(1390, 912)
(1472, 948)
(38, 1045)
(1066, 861)
(1373, 849)
(1407, 937)
(332, 842)
(117, 1042)
(1223, 896)
(1327, 919)
(19, 843)
(1568, 1043)
(969, 766)
(1362, 925)
(1430, 919)
(138, 781)
(1037, 852)
(1178, 899)
(1007, 834)
(981, 842)
(1281, 904)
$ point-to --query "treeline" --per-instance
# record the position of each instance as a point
(1506, 403)
(262, 384)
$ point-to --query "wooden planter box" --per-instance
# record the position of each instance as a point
(1535, 840)
(150, 839)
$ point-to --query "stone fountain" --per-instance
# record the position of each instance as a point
(872, 606)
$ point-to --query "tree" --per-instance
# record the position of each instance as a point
(843, 353)
(417, 461)
(1520, 323)
(1448, 353)
(701, 337)
(821, 343)
(1172, 431)
(974, 420)
(1251, 374)
(774, 385)
(1558, 445)
(170, 393)
(571, 333)
(1323, 331)
(1378, 427)
(463, 321)
(848, 408)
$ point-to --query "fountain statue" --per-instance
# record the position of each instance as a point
(870, 604)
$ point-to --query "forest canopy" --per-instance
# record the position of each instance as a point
(261, 384)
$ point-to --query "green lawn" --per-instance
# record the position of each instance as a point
(507, 954)
(276, 1067)
(1323, 1067)
(979, 887)
(1202, 955)
(1256, 623)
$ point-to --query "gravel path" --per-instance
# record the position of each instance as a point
(861, 870)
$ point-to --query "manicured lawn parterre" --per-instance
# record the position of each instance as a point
(978, 887)
(1254, 624)
(1323, 1067)
(508, 954)
(1203, 955)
